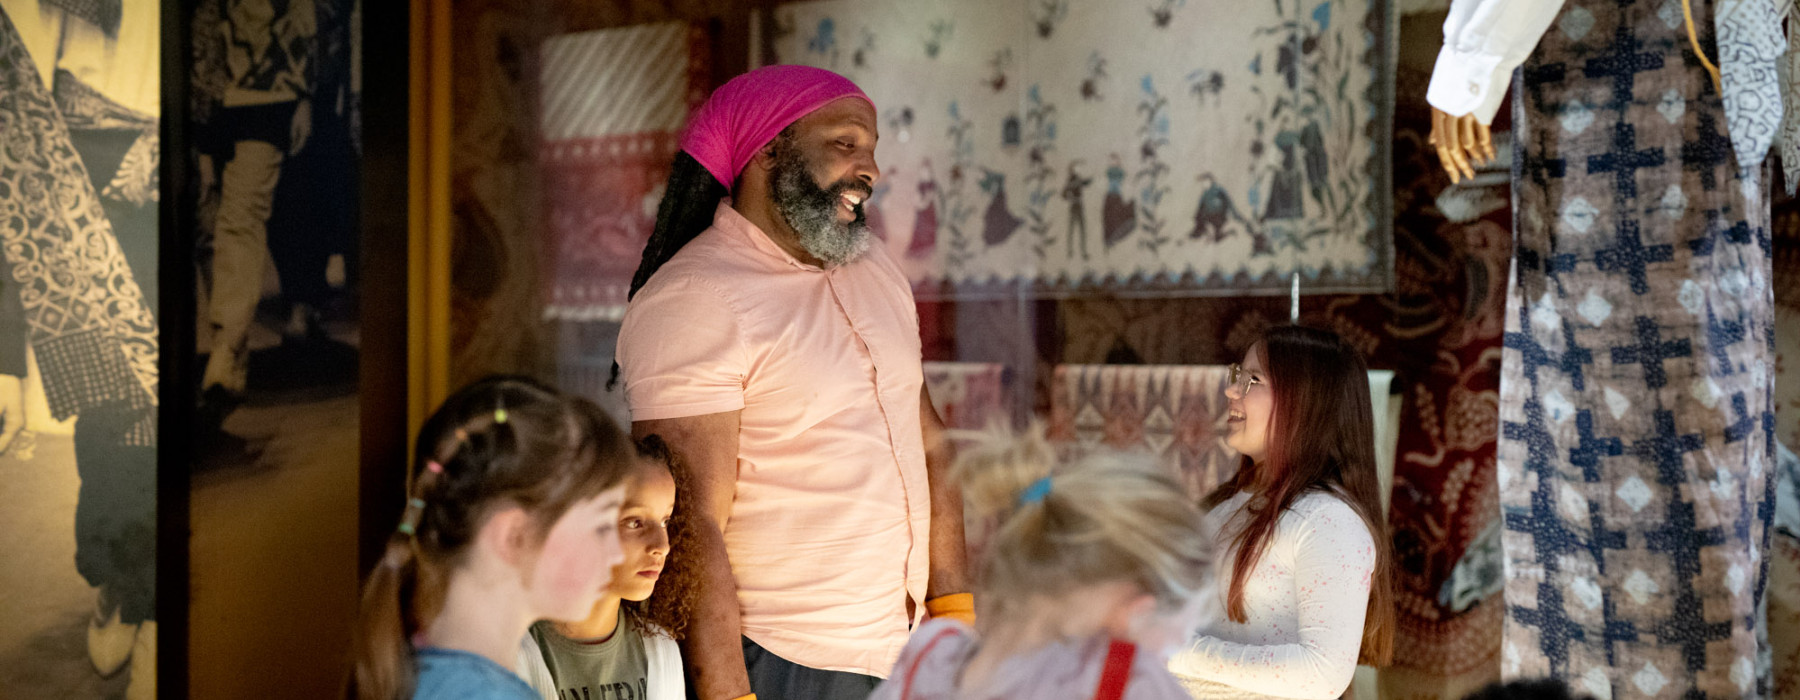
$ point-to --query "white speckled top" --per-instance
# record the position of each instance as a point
(1304, 604)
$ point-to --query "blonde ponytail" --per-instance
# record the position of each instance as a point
(1095, 518)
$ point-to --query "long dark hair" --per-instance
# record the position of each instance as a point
(1321, 438)
(689, 201)
(499, 441)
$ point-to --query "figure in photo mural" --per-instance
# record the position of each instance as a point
(79, 105)
(273, 107)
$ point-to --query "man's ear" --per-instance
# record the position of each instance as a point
(765, 157)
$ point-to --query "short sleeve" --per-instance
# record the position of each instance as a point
(681, 351)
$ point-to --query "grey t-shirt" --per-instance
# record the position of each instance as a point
(615, 669)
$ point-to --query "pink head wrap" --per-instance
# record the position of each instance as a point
(747, 112)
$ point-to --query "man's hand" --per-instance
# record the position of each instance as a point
(302, 127)
(1460, 141)
(12, 409)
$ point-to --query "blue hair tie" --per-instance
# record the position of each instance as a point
(1036, 492)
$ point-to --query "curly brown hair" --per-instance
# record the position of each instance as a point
(669, 608)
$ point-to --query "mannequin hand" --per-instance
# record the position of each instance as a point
(1460, 141)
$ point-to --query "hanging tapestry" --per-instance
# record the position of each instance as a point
(1072, 145)
(614, 102)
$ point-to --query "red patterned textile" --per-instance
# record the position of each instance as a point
(602, 195)
(969, 395)
(1440, 330)
(613, 106)
(1174, 412)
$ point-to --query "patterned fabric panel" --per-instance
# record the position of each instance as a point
(1784, 579)
(1174, 412)
(969, 395)
(1636, 417)
(1784, 617)
(94, 336)
(613, 105)
(88, 369)
(1074, 156)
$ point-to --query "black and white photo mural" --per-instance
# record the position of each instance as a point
(79, 154)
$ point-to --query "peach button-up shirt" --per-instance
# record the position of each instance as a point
(829, 529)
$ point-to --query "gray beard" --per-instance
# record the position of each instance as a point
(811, 211)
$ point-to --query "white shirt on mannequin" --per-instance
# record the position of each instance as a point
(1484, 40)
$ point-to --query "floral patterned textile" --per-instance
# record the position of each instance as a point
(1068, 146)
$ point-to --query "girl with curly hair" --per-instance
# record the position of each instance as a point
(626, 647)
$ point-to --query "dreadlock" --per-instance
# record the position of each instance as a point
(688, 204)
(689, 201)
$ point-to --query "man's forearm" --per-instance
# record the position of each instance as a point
(714, 646)
(949, 552)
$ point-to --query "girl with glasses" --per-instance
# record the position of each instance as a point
(1303, 577)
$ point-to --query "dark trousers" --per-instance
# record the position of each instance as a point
(315, 210)
(115, 514)
(774, 677)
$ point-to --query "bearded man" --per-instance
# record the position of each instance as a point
(777, 352)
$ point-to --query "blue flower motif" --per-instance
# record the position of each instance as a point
(1147, 86)
(826, 38)
(1322, 15)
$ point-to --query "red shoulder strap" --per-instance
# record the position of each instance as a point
(1117, 671)
(907, 683)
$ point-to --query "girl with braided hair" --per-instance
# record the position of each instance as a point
(511, 516)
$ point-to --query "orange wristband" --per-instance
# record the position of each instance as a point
(956, 606)
(751, 696)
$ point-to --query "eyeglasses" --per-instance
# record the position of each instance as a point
(1242, 379)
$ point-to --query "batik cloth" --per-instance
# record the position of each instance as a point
(94, 338)
(1636, 413)
(1175, 413)
(1788, 72)
(1750, 44)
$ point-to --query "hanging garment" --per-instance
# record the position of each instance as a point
(1636, 412)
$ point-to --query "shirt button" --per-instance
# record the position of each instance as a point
(1474, 88)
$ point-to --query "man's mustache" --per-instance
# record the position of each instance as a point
(852, 185)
